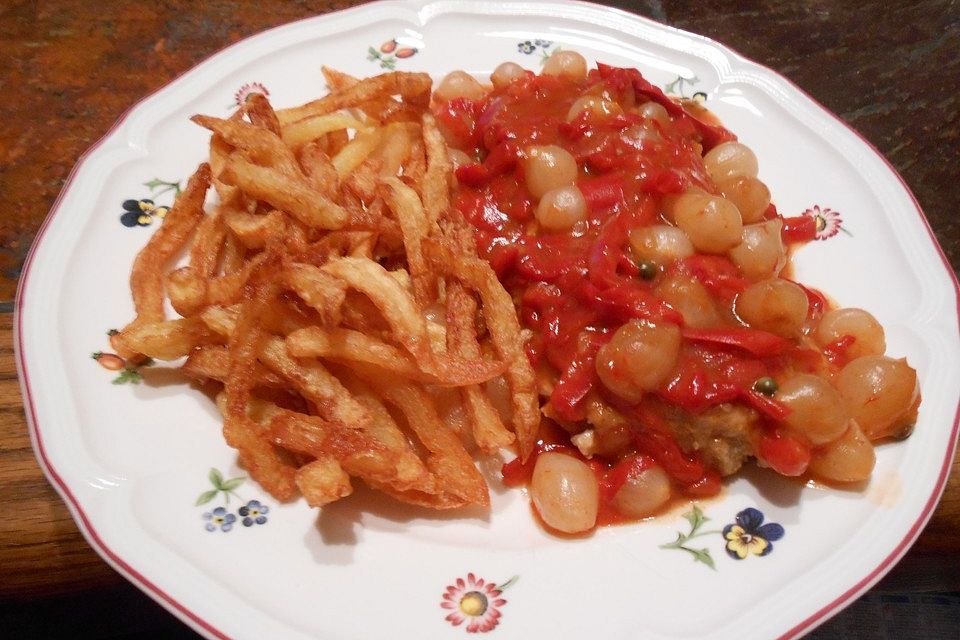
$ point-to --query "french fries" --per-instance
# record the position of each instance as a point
(335, 296)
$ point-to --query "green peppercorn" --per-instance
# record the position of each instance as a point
(766, 385)
(648, 270)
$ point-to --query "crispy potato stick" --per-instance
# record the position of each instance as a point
(436, 180)
(208, 243)
(233, 255)
(254, 230)
(356, 151)
(303, 131)
(405, 204)
(346, 345)
(319, 170)
(448, 460)
(318, 289)
(286, 193)
(212, 362)
(395, 148)
(261, 114)
(488, 430)
(169, 339)
(189, 293)
(504, 327)
(259, 145)
(323, 481)
(146, 276)
(413, 88)
(268, 465)
(335, 404)
(407, 321)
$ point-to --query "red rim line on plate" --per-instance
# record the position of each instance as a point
(175, 607)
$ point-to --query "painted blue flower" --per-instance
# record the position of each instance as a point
(750, 536)
(141, 213)
(543, 44)
(526, 47)
(253, 513)
(219, 519)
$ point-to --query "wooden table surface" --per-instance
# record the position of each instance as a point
(891, 70)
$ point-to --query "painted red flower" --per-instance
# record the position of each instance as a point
(829, 222)
(475, 602)
(249, 89)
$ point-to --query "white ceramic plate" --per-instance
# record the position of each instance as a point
(131, 460)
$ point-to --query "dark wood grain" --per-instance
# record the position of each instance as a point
(72, 67)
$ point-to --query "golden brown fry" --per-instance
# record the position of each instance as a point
(285, 193)
(260, 145)
(356, 151)
(346, 345)
(323, 481)
(261, 113)
(146, 276)
(169, 339)
(254, 230)
(488, 430)
(448, 460)
(405, 204)
(268, 465)
(208, 243)
(336, 405)
(504, 328)
(212, 362)
(318, 289)
(303, 131)
(319, 170)
(413, 88)
(407, 322)
(436, 180)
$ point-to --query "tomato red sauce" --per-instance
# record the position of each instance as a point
(574, 289)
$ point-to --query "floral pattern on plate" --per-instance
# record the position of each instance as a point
(248, 89)
(142, 212)
(747, 536)
(476, 602)
(253, 512)
(829, 222)
(389, 52)
(128, 370)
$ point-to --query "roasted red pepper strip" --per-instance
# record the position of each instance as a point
(602, 192)
(613, 237)
(767, 406)
(502, 159)
(786, 455)
(710, 135)
(717, 273)
(617, 476)
(762, 344)
(799, 229)
(573, 386)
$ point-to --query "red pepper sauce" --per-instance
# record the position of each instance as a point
(575, 289)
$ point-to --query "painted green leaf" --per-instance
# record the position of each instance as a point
(216, 479)
(206, 497)
(696, 518)
(232, 484)
(128, 376)
(506, 585)
(702, 555)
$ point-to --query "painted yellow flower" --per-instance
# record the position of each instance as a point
(749, 536)
(743, 544)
